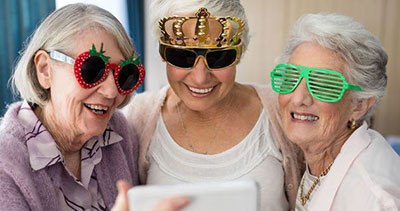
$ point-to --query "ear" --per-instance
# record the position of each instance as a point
(43, 68)
(361, 107)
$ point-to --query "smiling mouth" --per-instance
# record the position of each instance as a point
(200, 91)
(97, 109)
(303, 117)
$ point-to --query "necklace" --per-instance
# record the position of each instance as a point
(305, 198)
(189, 141)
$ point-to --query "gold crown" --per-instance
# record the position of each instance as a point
(195, 31)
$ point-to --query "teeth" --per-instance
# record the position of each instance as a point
(201, 91)
(97, 109)
(305, 117)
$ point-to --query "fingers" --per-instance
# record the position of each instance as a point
(121, 203)
(172, 204)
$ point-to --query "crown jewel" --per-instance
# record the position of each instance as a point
(201, 30)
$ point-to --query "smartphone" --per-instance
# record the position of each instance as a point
(240, 195)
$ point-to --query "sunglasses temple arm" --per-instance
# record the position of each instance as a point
(56, 55)
(354, 87)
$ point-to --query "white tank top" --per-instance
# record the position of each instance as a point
(256, 157)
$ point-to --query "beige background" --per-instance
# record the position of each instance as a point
(270, 22)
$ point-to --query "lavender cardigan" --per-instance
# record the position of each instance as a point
(21, 188)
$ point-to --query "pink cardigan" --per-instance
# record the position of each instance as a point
(144, 109)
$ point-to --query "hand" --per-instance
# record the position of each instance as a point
(171, 204)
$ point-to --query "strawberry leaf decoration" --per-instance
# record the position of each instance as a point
(130, 60)
(93, 52)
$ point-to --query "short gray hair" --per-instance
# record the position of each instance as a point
(57, 32)
(218, 8)
(362, 52)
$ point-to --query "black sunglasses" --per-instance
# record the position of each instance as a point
(186, 58)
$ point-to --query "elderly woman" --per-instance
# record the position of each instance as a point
(332, 76)
(204, 126)
(64, 146)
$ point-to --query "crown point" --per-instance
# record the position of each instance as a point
(201, 36)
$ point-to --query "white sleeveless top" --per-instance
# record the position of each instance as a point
(256, 157)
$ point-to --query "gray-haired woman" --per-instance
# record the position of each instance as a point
(333, 74)
(205, 126)
(64, 147)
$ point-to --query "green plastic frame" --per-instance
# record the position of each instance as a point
(325, 85)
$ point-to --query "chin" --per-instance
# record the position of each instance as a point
(94, 133)
(94, 129)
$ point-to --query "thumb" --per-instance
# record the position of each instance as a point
(121, 203)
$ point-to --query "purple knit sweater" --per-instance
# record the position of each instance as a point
(21, 188)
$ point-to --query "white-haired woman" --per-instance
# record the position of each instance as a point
(205, 126)
(332, 76)
(64, 147)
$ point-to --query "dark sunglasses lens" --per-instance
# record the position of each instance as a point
(180, 57)
(128, 77)
(221, 59)
(93, 69)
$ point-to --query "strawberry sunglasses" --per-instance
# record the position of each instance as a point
(92, 67)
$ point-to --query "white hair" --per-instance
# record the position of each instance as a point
(57, 32)
(218, 8)
(362, 52)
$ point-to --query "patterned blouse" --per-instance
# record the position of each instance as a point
(72, 193)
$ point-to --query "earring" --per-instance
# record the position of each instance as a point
(352, 124)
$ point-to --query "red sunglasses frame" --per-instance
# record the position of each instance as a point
(81, 58)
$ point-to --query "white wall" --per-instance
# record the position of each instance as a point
(117, 7)
(156, 76)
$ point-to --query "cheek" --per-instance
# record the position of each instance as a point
(120, 98)
(225, 76)
(335, 117)
(283, 100)
(175, 74)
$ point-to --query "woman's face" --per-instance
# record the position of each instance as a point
(199, 88)
(73, 106)
(307, 120)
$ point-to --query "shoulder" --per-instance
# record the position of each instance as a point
(15, 169)
(144, 104)
(379, 160)
(142, 110)
(120, 125)
(376, 170)
(146, 100)
(9, 123)
(12, 150)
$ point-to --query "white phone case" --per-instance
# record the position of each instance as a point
(232, 196)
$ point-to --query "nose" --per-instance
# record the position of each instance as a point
(200, 73)
(108, 88)
(301, 96)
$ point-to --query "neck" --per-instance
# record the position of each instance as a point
(65, 139)
(73, 163)
(320, 154)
